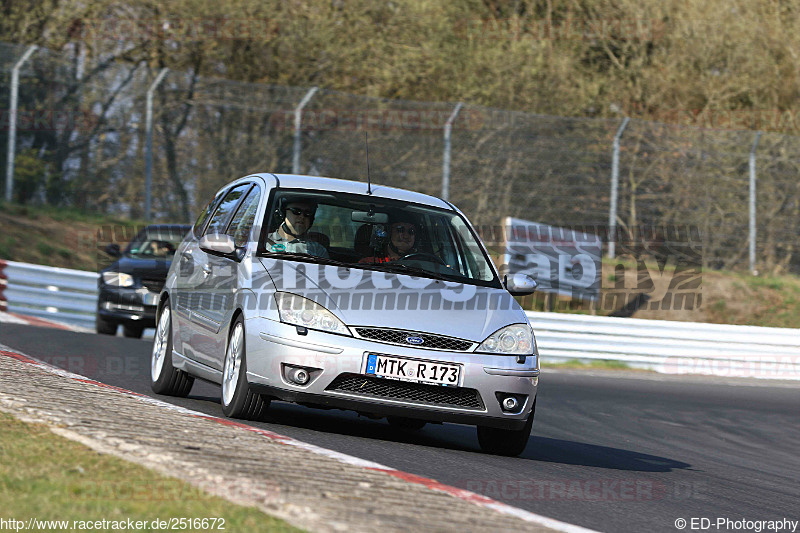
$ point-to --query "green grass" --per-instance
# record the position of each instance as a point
(719, 306)
(48, 477)
(64, 253)
(597, 364)
(778, 299)
(45, 248)
(7, 248)
(60, 237)
(63, 214)
(766, 282)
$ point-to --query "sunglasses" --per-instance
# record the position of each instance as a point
(300, 212)
(404, 229)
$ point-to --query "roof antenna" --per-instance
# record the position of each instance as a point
(369, 182)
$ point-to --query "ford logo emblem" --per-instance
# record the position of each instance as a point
(415, 340)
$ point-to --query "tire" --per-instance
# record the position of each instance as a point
(165, 378)
(104, 327)
(509, 442)
(402, 422)
(132, 331)
(238, 399)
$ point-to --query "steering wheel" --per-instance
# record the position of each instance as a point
(424, 255)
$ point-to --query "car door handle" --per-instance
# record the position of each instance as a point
(206, 270)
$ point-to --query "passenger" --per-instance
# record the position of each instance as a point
(402, 239)
(292, 235)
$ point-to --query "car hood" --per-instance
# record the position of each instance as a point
(388, 300)
(140, 267)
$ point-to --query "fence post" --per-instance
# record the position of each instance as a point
(148, 162)
(753, 204)
(298, 122)
(448, 130)
(612, 210)
(12, 120)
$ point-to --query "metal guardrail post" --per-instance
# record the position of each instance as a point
(448, 131)
(12, 120)
(298, 122)
(149, 148)
(3, 283)
(753, 204)
(612, 210)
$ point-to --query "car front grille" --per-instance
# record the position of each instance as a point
(429, 341)
(372, 387)
(153, 285)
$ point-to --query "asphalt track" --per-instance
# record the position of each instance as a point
(612, 452)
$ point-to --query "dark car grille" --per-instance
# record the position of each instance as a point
(405, 391)
(430, 342)
(153, 285)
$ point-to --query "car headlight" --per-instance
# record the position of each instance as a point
(299, 311)
(117, 279)
(516, 339)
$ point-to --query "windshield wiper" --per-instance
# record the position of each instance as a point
(388, 267)
(310, 258)
(394, 266)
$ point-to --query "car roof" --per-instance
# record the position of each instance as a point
(316, 183)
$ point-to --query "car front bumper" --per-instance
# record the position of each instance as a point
(337, 364)
(128, 305)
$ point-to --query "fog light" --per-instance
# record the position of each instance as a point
(510, 403)
(298, 375)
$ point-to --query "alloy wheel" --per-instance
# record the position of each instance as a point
(233, 364)
(160, 343)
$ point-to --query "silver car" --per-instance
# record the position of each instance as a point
(340, 294)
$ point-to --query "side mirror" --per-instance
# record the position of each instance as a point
(520, 284)
(217, 243)
(113, 250)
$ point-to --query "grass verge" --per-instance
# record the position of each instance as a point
(597, 364)
(48, 477)
(60, 237)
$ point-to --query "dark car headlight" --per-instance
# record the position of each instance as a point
(117, 279)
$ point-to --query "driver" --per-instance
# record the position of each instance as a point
(291, 236)
(403, 237)
(162, 248)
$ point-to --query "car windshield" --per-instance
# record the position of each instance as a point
(376, 234)
(156, 242)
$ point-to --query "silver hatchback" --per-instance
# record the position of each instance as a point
(337, 294)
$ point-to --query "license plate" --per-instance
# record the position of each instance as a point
(387, 366)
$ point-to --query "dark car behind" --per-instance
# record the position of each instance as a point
(130, 286)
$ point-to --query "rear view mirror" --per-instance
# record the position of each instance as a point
(369, 217)
(217, 243)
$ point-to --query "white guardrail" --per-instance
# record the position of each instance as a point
(59, 294)
(70, 296)
(670, 347)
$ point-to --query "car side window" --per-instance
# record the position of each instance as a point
(220, 217)
(197, 229)
(242, 222)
